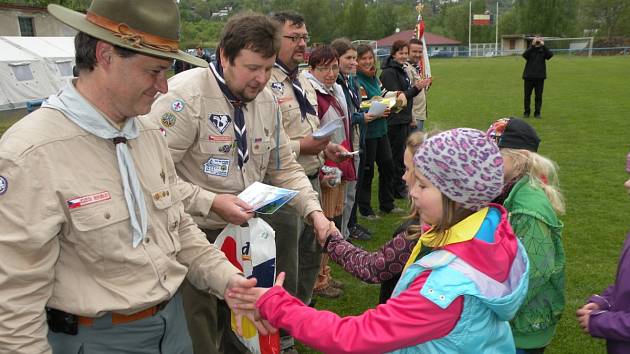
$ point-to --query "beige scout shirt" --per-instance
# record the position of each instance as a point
(294, 126)
(66, 240)
(199, 125)
(419, 108)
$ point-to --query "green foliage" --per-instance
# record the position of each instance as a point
(584, 129)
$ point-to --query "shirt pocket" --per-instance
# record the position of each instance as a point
(259, 152)
(167, 220)
(103, 238)
(218, 158)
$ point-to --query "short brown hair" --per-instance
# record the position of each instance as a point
(253, 31)
(289, 16)
(85, 51)
(398, 45)
(322, 55)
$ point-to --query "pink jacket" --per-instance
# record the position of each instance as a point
(406, 320)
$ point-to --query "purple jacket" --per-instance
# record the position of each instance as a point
(613, 321)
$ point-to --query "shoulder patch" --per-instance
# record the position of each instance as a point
(168, 119)
(4, 185)
(177, 105)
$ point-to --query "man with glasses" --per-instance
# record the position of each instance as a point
(297, 251)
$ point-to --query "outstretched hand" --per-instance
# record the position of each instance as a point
(239, 282)
(244, 299)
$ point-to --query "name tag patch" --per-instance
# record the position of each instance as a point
(217, 167)
(220, 121)
(87, 200)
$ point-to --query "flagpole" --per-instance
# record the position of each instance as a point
(496, 36)
(469, 28)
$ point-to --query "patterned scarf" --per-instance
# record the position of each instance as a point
(239, 118)
(298, 91)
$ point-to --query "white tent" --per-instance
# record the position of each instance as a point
(33, 68)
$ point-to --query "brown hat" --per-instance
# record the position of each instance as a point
(149, 27)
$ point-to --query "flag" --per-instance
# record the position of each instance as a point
(482, 20)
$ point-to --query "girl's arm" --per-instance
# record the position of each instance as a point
(406, 320)
(371, 267)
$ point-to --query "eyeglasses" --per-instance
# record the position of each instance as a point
(296, 38)
(327, 69)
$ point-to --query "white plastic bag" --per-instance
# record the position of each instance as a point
(252, 249)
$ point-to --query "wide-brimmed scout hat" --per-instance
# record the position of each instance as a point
(149, 27)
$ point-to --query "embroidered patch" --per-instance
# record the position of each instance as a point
(217, 167)
(220, 138)
(168, 119)
(277, 88)
(4, 185)
(220, 121)
(177, 105)
(87, 200)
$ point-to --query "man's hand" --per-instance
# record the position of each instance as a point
(231, 209)
(336, 153)
(312, 146)
(584, 314)
(241, 308)
(401, 100)
(244, 300)
(322, 226)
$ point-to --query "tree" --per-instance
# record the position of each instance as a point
(606, 15)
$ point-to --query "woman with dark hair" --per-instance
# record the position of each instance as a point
(394, 78)
(331, 106)
(377, 147)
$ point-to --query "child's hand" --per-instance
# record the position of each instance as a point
(245, 298)
(584, 314)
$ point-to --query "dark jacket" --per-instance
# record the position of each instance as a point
(613, 321)
(536, 67)
(394, 78)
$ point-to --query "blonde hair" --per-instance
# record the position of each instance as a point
(542, 173)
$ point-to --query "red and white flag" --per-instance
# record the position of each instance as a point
(482, 20)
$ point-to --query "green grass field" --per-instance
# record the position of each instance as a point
(585, 128)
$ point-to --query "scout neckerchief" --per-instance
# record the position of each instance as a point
(348, 82)
(74, 106)
(239, 118)
(464, 230)
(298, 91)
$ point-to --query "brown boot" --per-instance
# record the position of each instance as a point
(328, 292)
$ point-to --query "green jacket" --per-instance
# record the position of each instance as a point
(370, 87)
(535, 223)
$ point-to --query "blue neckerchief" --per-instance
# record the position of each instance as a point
(239, 118)
(298, 91)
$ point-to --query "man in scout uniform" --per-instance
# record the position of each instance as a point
(94, 241)
(224, 132)
(297, 253)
